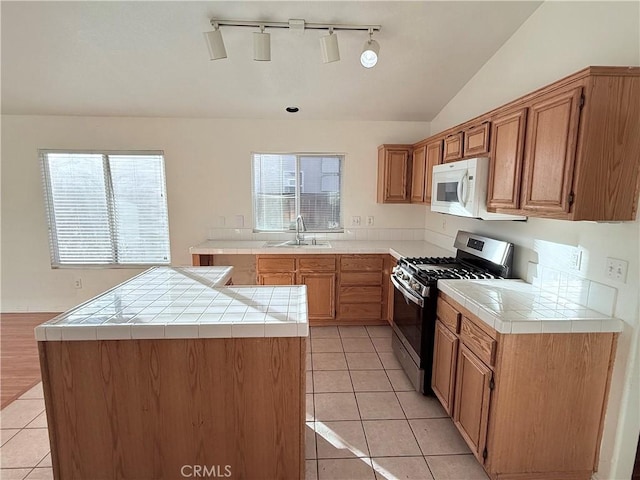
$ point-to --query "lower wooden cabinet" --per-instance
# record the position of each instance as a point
(529, 406)
(445, 352)
(471, 410)
(321, 288)
(341, 289)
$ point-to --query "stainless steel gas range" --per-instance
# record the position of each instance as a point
(415, 296)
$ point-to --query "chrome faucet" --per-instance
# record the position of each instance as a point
(300, 227)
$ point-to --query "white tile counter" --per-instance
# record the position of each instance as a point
(397, 248)
(172, 302)
(514, 306)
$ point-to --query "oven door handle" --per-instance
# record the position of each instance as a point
(407, 293)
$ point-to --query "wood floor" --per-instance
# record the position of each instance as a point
(20, 368)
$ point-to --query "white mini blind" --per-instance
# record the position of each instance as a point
(288, 185)
(106, 208)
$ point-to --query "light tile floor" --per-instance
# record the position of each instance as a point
(364, 420)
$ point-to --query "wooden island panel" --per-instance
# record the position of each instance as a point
(145, 408)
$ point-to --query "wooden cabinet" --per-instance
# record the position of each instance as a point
(453, 147)
(425, 157)
(361, 289)
(552, 134)
(318, 273)
(471, 410)
(476, 140)
(507, 151)
(445, 352)
(519, 400)
(434, 157)
(394, 173)
(418, 173)
(341, 289)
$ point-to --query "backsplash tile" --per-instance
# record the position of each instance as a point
(578, 292)
(362, 234)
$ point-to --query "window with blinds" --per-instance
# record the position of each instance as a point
(106, 208)
(288, 185)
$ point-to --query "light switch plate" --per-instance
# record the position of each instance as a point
(617, 269)
(239, 221)
(355, 221)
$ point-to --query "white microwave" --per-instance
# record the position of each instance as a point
(460, 188)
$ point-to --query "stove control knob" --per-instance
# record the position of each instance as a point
(415, 286)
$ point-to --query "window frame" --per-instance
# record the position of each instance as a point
(49, 213)
(297, 173)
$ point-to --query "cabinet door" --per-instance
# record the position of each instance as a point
(277, 278)
(434, 157)
(417, 175)
(321, 292)
(476, 140)
(472, 394)
(394, 175)
(552, 133)
(505, 168)
(453, 147)
(445, 352)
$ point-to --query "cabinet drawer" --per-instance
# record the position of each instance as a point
(361, 295)
(359, 263)
(280, 264)
(360, 311)
(361, 278)
(448, 315)
(326, 263)
(478, 341)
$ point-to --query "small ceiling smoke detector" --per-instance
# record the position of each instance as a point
(292, 109)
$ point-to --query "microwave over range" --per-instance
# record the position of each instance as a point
(460, 188)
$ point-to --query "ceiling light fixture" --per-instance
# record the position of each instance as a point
(262, 41)
(215, 43)
(261, 46)
(369, 56)
(329, 47)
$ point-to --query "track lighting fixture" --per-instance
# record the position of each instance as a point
(261, 46)
(262, 41)
(369, 56)
(215, 43)
(329, 47)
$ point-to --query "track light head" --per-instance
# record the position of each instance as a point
(329, 47)
(215, 44)
(369, 56)
(261, 46)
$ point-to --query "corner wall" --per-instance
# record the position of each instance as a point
(207, 164)
(558, 39)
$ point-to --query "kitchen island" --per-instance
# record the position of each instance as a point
(171, 375)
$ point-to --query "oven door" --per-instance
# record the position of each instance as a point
(408, 319)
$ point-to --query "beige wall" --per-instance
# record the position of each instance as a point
(208, 176)
(557, 40)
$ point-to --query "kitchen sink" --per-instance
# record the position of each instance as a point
(293, 244)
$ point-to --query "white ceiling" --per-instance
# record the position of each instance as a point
(150, 58)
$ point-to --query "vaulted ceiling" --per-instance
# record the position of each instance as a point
(150, 58)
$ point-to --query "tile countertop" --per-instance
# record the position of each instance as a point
(514, 306)
(192, 302)
(397, 248)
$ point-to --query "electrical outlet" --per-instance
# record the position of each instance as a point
(355, 221)
(444, 224)
(575, 259)
(77, 283)
(617, 269)
(370, 221)
(239, 221)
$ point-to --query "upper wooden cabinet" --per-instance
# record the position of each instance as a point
(507, 150)
(453, 147)
(550, 149)
(394, 173)
(476, 140)
(434, 157)
(418, 173)
(425, 156)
